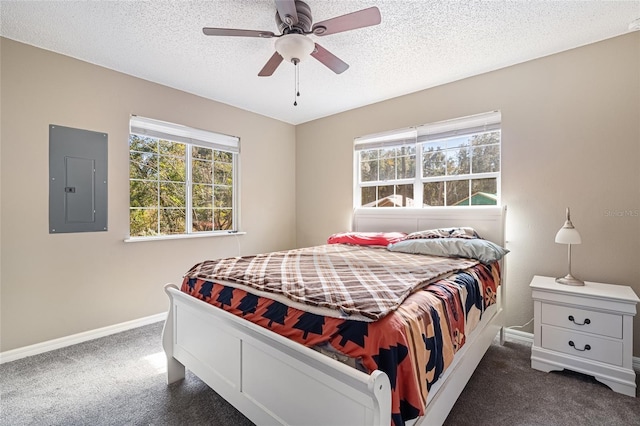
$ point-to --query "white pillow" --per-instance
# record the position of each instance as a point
(483, 250)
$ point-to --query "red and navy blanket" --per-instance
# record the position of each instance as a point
(413, 344)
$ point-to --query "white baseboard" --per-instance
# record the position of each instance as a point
(15, 354)
(518, 336)
(62, 342)
(521, 336)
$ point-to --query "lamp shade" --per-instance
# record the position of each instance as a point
(568, 234)
(294, 46)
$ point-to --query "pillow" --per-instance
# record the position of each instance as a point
(367, 238)
(460, 232)
(483, 250)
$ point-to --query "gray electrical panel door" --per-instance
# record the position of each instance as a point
(77, 180)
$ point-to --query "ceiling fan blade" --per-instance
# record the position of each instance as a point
(287, 11)
(350, 21)
(271, 65)
(236, 33)
(332, 62)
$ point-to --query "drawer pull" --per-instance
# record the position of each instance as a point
(586, 321)
(573, 345)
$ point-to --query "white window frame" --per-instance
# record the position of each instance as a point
(416, 136)
(191, 137)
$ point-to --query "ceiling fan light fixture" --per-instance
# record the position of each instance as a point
(294, 46)
(294, 21)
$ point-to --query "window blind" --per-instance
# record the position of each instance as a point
(175, 132)
(390, 139)
(464, 126)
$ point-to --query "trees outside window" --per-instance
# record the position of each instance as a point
(454, 163)
(461, 171)
(177, 187)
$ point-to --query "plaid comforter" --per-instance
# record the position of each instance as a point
(414, 344)
(366, 281)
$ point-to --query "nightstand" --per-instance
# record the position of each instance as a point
(588, 329)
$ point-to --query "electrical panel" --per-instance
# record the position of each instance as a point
(77, 180)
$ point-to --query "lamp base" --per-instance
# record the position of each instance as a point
(569, 280)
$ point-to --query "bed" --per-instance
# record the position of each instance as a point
(272, 379)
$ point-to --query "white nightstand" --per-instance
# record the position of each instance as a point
(588, 329)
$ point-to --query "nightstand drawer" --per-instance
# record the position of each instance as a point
(582, 320)
(572, 343)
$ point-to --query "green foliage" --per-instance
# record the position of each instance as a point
(143, 193)
(434, 163)
(455, 160)
(143, 222)
(202, 219)
(223, 219)
(222, 173)
(173, 194)
(172, 221)
(433, 193)
(202, 171)
(387, 164)
(173, 169)
(158, 182)
(202, 195)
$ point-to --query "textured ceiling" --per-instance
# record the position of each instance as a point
(419, 44)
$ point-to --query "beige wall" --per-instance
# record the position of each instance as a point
(57, 285)
(570, 137)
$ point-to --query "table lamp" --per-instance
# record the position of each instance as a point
(568, 235)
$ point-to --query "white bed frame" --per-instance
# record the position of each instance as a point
(273, 380)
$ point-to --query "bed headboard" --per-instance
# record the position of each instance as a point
(488, 221)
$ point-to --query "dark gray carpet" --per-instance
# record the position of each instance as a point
(120, 380)
(505, 390)
(114, 380)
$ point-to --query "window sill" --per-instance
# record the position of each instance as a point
(181, 236)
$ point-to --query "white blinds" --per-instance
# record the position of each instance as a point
(485, 122)
(175, 132)
(387, 139)
(465, 126)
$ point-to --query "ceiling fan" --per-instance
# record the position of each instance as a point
(293, 44)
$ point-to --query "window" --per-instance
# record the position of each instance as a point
(450, 163)
(181, 180)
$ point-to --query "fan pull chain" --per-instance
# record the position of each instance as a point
(296, 81)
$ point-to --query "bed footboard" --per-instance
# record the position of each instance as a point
(175, 369)
(262, 374)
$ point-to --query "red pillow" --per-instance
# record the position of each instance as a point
(367, 238)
